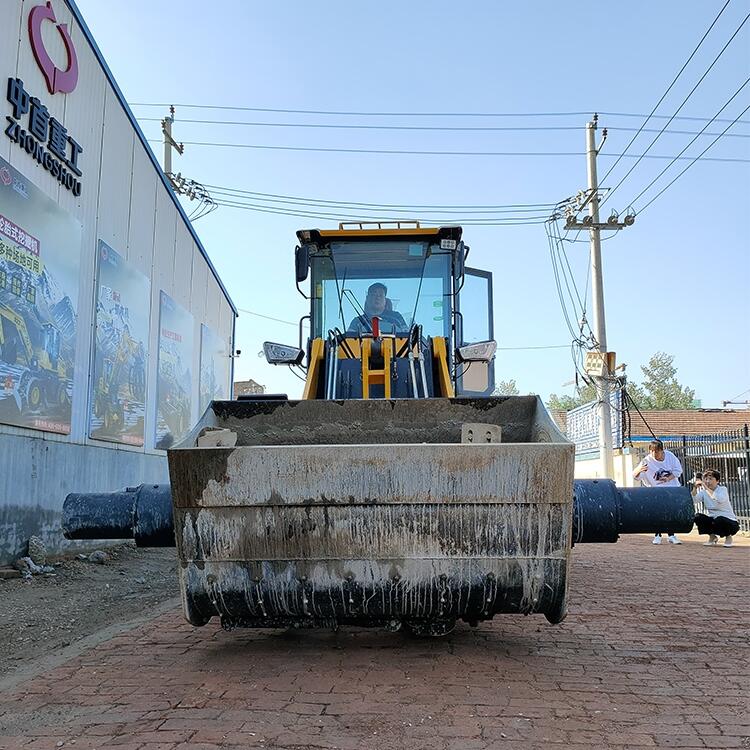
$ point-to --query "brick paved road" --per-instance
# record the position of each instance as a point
(654, 653)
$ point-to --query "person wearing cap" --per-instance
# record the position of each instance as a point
(377, 304)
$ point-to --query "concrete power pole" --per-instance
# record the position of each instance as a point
(600, 367)
(597, 297)
(181, 185)
(169, 142)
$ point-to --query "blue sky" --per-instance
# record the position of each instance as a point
(677, 281)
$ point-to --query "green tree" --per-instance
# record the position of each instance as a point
(583, 395)
(506, 388)
(660, 389)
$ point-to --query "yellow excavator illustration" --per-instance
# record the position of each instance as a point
(43, 373)
(174, 401)
(126, 366)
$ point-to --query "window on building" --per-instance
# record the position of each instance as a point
(15, 285)
(3, 279)
(31, 294)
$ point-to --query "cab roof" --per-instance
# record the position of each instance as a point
(378, 230)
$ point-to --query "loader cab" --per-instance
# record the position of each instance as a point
(404, 283)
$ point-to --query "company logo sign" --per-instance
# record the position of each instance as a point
(63, 81)
(44, 138)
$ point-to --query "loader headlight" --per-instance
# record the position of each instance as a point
(280, 354)
(483, 351)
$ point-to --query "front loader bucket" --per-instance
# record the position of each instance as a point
(375, 513)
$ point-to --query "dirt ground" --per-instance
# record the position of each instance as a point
(46, 614)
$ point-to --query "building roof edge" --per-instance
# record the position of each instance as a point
(123, 102)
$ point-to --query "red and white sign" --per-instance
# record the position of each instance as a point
(18, 235)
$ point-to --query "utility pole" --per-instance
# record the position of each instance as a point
(597, 298)
(602, 364)
(169, 142)
(191, 189)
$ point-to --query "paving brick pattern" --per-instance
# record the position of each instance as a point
(654, 653)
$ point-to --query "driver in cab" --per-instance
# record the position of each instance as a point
(378, 305)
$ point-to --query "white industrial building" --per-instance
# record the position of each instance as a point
(115, 329)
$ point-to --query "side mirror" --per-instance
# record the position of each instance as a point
(302, 262)
(483, 351)
(280, 354)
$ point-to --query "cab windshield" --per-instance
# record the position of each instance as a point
(402, 282)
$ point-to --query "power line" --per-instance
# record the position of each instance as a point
(719, 135)
(692, 162)
(473, 221)
(339, 126)
(439, 128)
(499, 348)
(676, 132)
(558, 285)
(405, 114)
(267, 317)
(257, 195)
(562, 252)
(398, 152)
(684, 101)
(236, 195)
(524, 348)
(669, 88)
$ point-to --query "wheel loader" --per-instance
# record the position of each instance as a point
(39, 372)
(397, 492)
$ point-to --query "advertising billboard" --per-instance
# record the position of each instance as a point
(40, 254)
(174, 381)
(214, 381)
(118, 399)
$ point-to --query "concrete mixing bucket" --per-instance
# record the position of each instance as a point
(373, 513)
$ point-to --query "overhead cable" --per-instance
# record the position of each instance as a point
(684, 101)
(439, 128)
(256, 195)
(399, 152)
(267, 317)
(719, 135)
(526, 348)
(664, 189)
(558, 285)
(669, 88)
(499, 348)
(407, 114)
(474, 221)
(231, 195)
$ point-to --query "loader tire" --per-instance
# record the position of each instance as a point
(35, 394)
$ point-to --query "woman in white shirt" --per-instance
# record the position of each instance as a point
(719, 518)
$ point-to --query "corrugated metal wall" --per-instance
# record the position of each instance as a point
(124, 203)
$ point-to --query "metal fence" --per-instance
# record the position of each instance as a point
(728, 453)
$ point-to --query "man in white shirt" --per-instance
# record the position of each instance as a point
(719, 518)
(660, 468)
